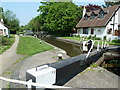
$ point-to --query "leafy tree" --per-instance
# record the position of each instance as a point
(59, 18)
(11, 21)
(109, 3)
(34, 24)
(91, 7)
(1, 12)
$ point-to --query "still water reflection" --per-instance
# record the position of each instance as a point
(70, 48)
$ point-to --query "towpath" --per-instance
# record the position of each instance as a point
(9, 57)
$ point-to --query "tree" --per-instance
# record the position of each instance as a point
(109, 3)
(59, 18)
(34, 24)
(91, 7)
(11, 21)
(1, 12)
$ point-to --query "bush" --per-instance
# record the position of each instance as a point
(5, 40)
(97, 38)
(116, 40)
(90, 37)
(93, 37)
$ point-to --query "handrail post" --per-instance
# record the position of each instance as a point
(98, 46)
(29, 85)
(105, 44)
(90, 49)
(102, 43)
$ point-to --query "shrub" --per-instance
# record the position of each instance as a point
(90, 37)
(6, 41)
(97, 38)
(116, 40)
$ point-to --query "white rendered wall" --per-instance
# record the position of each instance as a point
(116, 22)
(119, 16)
(98, 31)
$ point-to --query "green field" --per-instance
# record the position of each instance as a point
(6, 43)
(31, 46)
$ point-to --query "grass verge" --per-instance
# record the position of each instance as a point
(6, 43)
(31, 46)
(80, 39)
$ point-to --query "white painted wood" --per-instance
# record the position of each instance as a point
(32, 83)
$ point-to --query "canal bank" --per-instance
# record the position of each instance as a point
(20, 68)
(74, 48)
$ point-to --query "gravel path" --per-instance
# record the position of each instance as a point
(9, 57)
(19, 71)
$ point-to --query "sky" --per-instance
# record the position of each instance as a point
(25, 10)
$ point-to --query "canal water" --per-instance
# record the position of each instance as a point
(70, 48)
(73, 49)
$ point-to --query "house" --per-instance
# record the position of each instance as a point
(3, 29)
(104, 23)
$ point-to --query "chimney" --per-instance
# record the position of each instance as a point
(84, 11)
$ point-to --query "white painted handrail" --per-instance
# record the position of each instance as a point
(90, 49)
(104, 44)
(98, 46)
(29, 83)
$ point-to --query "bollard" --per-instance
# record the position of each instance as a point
(40, 42)
(60, 56)
(29, 85)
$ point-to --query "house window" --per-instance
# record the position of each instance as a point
(93, 17)
(118, 28)
(85, 30)
(101, 14)
(109, 31)
(86, 18)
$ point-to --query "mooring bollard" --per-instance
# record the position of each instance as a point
(60, 56)
(40, 42)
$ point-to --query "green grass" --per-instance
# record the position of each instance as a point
(31, 46)
(6, 43)
(80, 39)
(72, 38)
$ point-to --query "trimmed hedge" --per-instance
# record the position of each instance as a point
(116, 41)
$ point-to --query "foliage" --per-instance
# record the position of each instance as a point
(11, 21)
(93, 65)
(34, 24)
(1, 12)
(116, 41)
(91, 7)
(93, 37)
(109, 3)
(6, 43)
(59, 18)
(30, 46)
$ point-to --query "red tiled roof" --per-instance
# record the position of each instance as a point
(97, 22)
